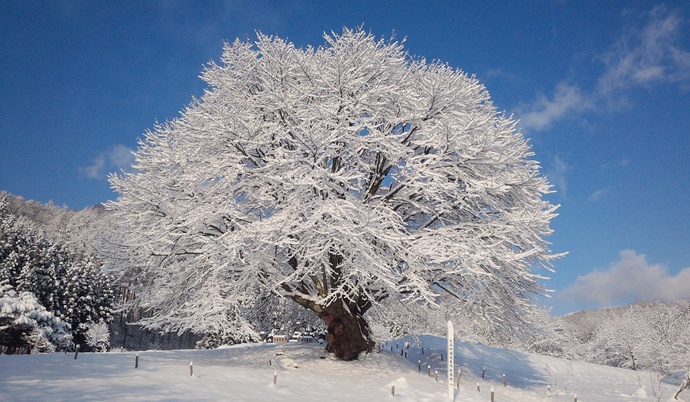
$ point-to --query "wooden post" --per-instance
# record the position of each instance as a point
(428, 371)
(191, 369)
(483, 372)
(422, 350)
(548, 391)
(393, 389)
(436, 372)
(492, 394)
(419, 366)
(275, 377)
(136, 361)
(575, 398)
(505, 383)
(458, 386)
(478, 388)
(76, 351)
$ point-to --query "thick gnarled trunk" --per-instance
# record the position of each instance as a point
(348, 333)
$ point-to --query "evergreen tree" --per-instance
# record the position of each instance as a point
(26, 326)
(70, 286)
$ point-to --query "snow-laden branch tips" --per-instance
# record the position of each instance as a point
(347, 178)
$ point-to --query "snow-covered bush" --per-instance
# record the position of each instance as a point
(97, 336)
(27, 327)
(214, 340)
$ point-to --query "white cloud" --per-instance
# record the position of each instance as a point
(117, 158)
(648, 55)
(630, 279)
(541, 113)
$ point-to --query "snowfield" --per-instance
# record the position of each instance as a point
(306, 373)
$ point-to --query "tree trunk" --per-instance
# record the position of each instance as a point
(348, 332)
(684, 385)
(632, 357)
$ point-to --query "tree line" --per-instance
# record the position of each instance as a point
(51, 279)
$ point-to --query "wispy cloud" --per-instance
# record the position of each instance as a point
(557, 175)
(543, 112)
(597, 195)
(647, 55)
(497, 73)
(117, 158)
(630, 279)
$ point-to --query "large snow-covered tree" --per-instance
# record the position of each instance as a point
(346, 178)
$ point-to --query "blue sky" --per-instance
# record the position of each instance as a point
(601, 88)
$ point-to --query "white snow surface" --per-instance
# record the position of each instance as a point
(306, 373)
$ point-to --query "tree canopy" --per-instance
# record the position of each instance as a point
(348, 178)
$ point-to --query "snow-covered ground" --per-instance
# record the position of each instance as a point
(305, 373)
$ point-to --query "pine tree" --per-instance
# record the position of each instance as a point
(26, 326)
(71, 286)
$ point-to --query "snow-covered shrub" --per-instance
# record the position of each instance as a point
(27, 327)
(214, 340)
(97, 335)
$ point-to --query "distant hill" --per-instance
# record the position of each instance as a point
(79, 229)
